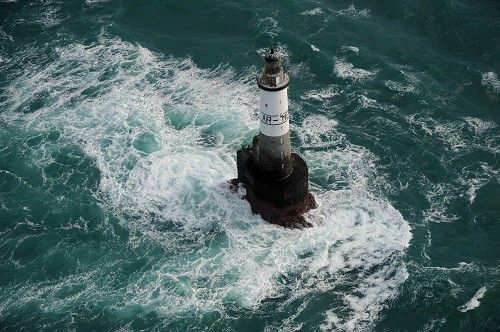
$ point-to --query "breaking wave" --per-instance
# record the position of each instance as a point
(474, 302)
(491, 82)
(347, 70)
(354, 13)
(313, 12)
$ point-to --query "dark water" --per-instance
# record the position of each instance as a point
(119, 123)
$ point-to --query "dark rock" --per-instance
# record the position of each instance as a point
(280, 201)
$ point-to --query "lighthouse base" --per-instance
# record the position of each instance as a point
(278, 201)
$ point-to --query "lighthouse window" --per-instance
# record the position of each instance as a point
(266, 105)
(280, 101)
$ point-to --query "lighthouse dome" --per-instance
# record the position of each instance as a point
(272, 77)
(272, 57)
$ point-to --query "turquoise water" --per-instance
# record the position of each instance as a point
(119, 123)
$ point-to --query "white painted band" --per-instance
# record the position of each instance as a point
(274, 117)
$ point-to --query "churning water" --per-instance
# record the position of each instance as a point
(119, 125)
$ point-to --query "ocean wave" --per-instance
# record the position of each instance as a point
(439, 196)
(313, 12)
(347, 70)
(269, 26)
(460, 137)
(463, 134)
(474, 178)
(49, 17)
(354, 13)
(491, 82)
(399, 87)
(321, 94)
(318, 130)
(349, 12)
(350, 49)
(93, 2)
(5, 36)
(370, 103)
(474, 302)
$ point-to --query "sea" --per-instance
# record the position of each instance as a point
(119, 126)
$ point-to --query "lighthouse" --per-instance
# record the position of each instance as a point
(276, 180)
(274, 148)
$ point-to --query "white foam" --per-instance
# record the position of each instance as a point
(479, 126)
(399, 87)
(321, 94)
(434, 324)
(314, 48)
(350, 49)
(347, 70)
(462, 134)
(114, 101)
(459, 137)
(340, 164)
(439, 196)
(474, 302)
(477, 178)
(5, 36)
(491, 82)
(317, 130)
(353, 13)
(366, 102)
(313, 12)
(47, 16)
(269, 26)
(374, 289)
(93, 2)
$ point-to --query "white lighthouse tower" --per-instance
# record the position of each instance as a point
(276, 180)
(274, 139)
